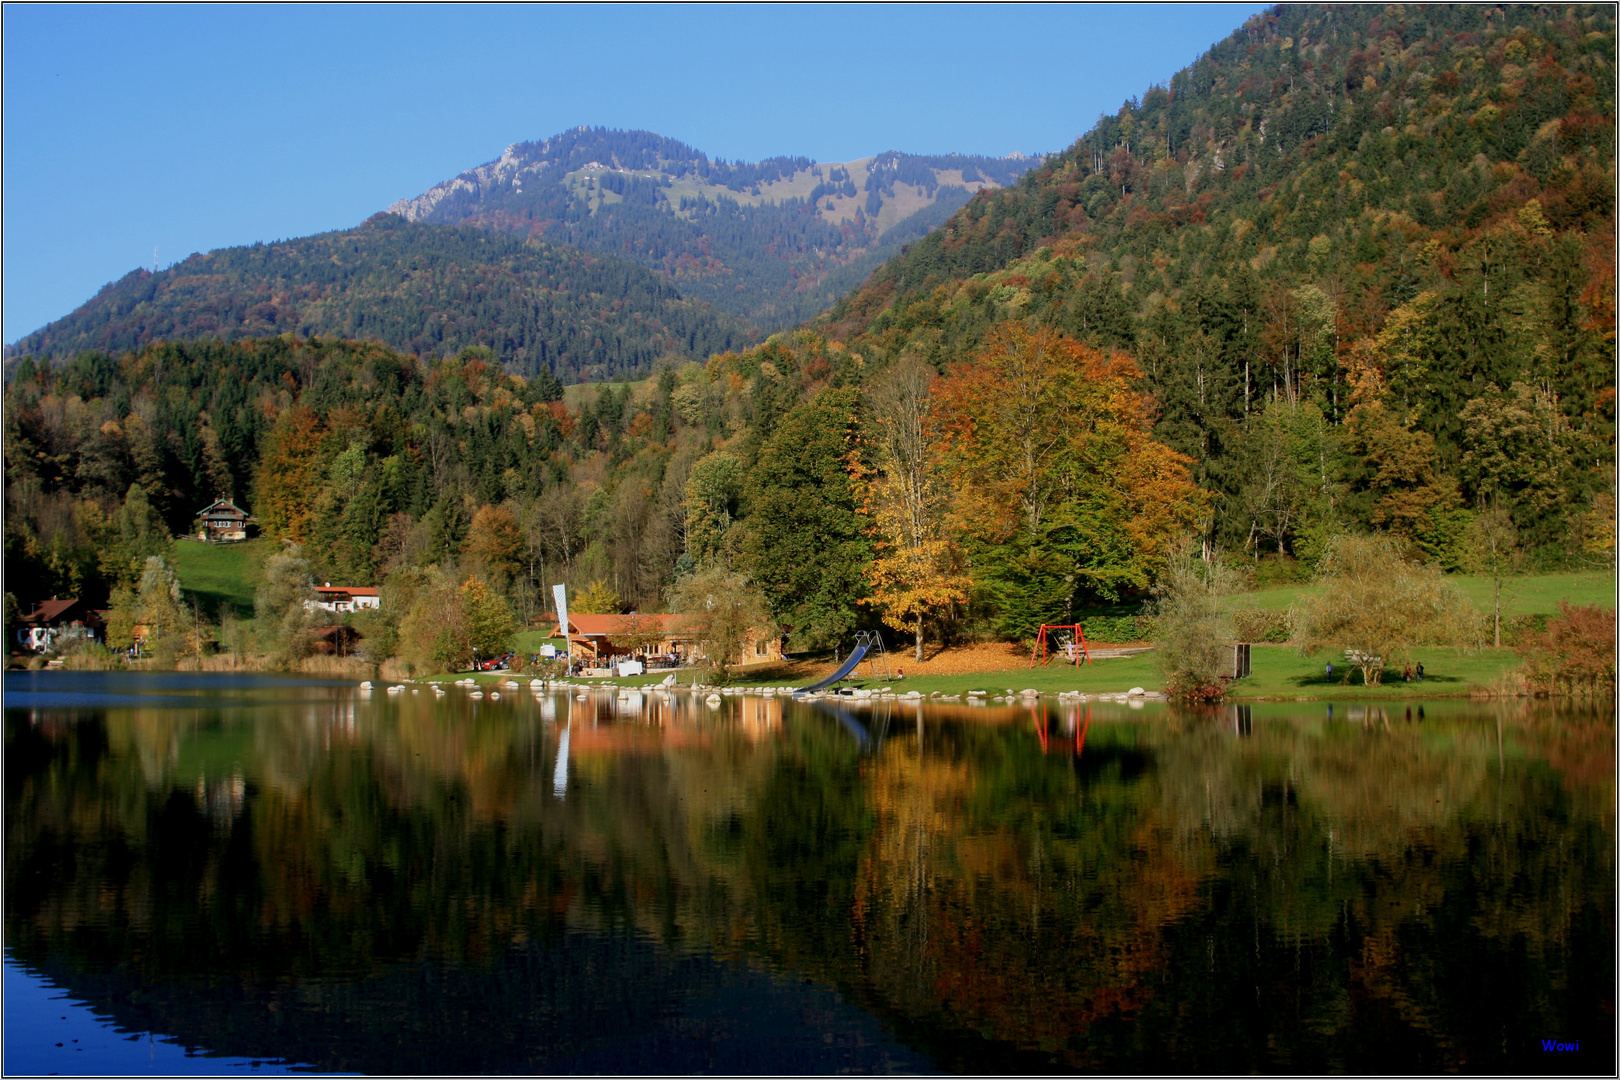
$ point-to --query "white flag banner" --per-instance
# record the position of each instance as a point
(560, 593)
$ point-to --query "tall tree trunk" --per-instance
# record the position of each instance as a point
(919, 637)
(1496, 614)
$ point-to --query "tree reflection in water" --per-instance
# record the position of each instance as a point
(393, 884)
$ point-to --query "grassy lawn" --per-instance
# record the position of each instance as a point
(1279, 672)
(528, 642)
(1520, 596)
(219, 574)
(1535, 595)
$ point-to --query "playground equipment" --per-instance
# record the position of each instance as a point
(1075, 646)
(865, 642)
(1078, 743)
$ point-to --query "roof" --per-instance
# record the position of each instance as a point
(221, 506)
(350, 590)
(51, 609)
(619, 625)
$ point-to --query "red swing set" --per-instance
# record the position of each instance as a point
(1077, 647)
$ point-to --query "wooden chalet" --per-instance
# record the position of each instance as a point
(600, 639)
(222, 521)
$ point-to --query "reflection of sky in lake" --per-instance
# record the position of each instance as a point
(642, 882)
(175, 690)
(47, 1032)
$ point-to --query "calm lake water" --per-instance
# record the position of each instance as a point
(250, 874)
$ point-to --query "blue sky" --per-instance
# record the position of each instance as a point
(188, 128)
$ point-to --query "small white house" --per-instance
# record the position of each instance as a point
(344, 598)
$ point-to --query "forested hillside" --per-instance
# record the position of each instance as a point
(425, 289)
(773, 242)
(1364, 258)
(1350, 272)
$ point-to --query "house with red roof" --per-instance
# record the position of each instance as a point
(599, 639)
(345, 598)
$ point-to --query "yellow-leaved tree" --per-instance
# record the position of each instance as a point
(917, 572)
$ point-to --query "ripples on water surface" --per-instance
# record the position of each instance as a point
(294, 873)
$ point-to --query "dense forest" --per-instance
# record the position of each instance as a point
(786, 462)
(772, 242)
(424, 289)
(1350, 272)
(1364, 259)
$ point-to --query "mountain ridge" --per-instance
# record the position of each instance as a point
(427, 289)
(760, 240)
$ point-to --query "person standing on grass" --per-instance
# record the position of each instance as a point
(1330, 671)
(1420, 671)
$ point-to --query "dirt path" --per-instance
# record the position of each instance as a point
(953, 660)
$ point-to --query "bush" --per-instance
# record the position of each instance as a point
(1252, 624)
(1117, 629)
(1193, 628)
(1574, 654)
(1274, 570)
(1521, 629)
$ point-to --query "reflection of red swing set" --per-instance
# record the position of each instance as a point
(1075, 647)
(1079, 739)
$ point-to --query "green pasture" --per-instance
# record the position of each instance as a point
(221, 574)
(528, 642)
(1278, 671)
(1532, 595)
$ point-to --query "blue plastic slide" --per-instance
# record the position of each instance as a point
(849, 666)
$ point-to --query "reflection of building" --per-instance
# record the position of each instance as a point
(334, 640)
(54, 622)
(597, 638)
(222, 520)
(341, 598)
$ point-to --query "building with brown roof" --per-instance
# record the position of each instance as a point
(56, 621)
(597, 639)
(222, 521)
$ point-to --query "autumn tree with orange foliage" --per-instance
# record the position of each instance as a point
(289, 476)
(495, 540)
(1059, 491)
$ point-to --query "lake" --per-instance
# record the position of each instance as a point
(210, 873)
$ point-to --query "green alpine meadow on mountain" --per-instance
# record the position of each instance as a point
(1351, 272)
